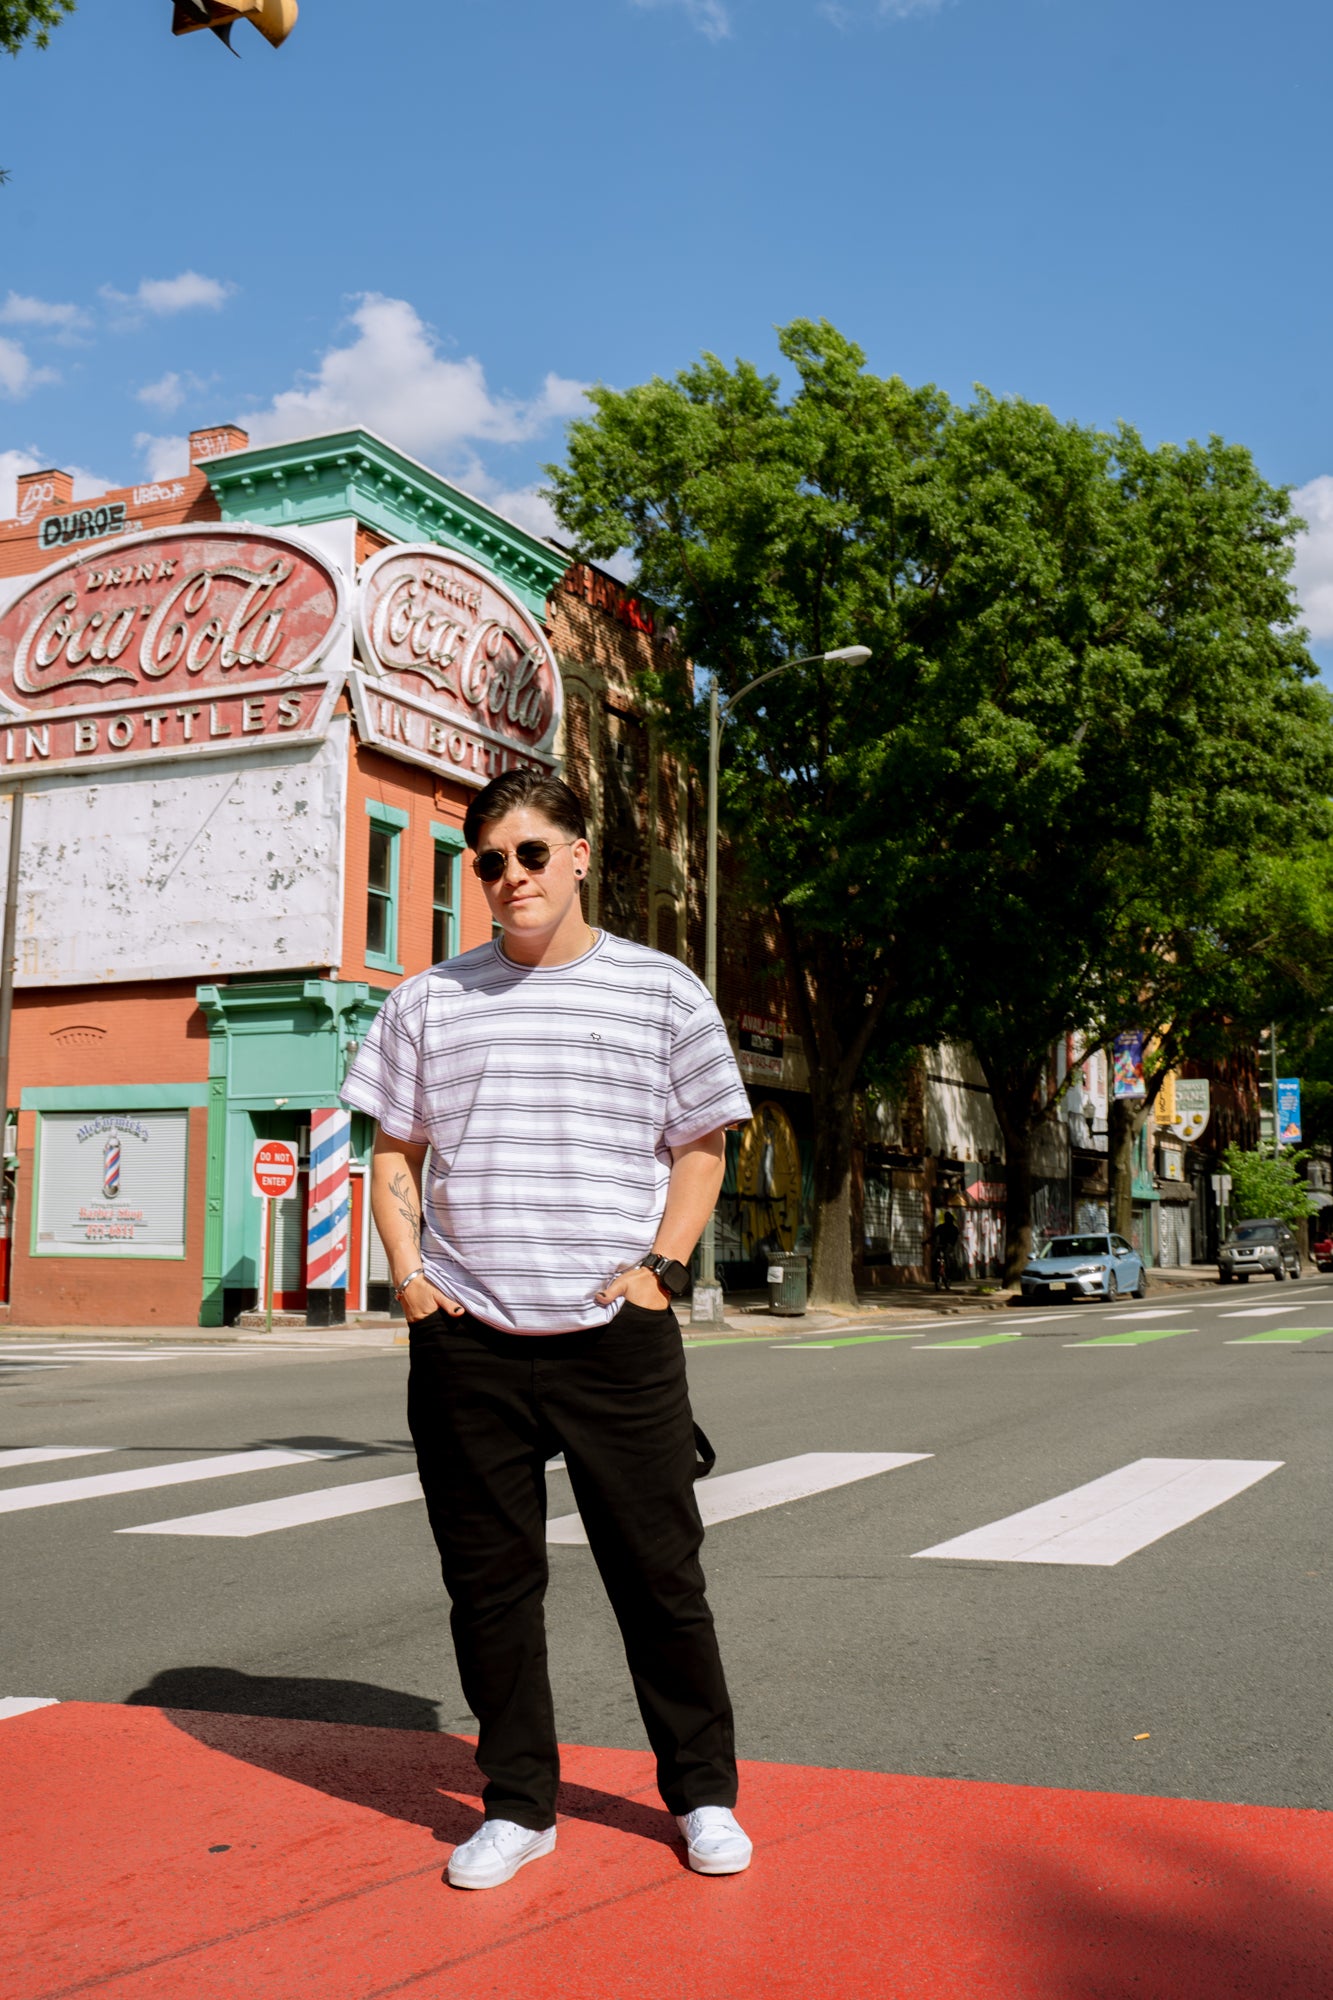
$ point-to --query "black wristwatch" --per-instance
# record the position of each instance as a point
(670, 1273)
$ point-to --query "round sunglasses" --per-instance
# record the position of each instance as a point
(531, 855)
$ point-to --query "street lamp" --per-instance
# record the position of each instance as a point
(708, 1310)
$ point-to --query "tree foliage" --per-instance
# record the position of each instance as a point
(1086, 770)
(24, 19)
(1262, 1185)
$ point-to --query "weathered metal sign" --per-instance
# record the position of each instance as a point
(178, 642)
(456, 674)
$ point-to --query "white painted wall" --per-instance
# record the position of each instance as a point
(960, 1119)
(233, 864)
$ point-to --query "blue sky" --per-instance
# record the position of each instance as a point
(443, 217)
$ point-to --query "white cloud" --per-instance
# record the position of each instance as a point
(162, 296)
(163, 457)
(710, 17)
(166, 394)
(45, 314)
(392, 378)
(17, 374)
(13, 463)
(1313, 571)
(898, 10)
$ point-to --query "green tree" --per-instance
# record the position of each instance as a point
(1262, 1185)
(1086, 705)
(21, 19)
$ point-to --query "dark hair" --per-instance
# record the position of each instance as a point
(541, 790)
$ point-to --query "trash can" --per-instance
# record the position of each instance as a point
(787, 1273)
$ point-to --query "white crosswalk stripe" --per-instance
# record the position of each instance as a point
(144, 1478)
(726, 1497)
(1110, 1518)
(47, 1454)
(297, 1510)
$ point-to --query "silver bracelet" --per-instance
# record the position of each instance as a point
(410, 1279)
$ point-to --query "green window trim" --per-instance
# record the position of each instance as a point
(114, 1097)
(448, 841)
(391, 822)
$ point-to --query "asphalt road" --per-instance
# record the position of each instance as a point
(1211, 1644)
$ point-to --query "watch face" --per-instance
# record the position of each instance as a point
(674, 1276)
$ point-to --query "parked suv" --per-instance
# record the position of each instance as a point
(1262, 1249)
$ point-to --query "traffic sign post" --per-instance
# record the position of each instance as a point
(275, 1169)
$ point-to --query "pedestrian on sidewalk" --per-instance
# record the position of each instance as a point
(551, 1110)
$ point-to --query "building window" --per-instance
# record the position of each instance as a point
(445, 891)
(382, 869)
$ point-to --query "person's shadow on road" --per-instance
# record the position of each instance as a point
(385, 1751)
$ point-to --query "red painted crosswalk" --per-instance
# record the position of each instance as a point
(164, 1855)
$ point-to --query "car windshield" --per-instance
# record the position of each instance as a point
(1075, 1246)
(1255, 1232)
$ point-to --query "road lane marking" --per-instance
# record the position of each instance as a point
(846, 1340)
(733, 1494)
(1099, 1524)
(24, 1704)
(1279, 1336)
(1138, 1338)
(298, 1510)
(43, 1454)
(143, 1478)
(1151, 1312)
(978, 1340)
(1264, 1312)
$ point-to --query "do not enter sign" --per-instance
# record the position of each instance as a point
(275, 1168)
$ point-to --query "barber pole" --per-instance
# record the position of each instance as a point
(329, 1205)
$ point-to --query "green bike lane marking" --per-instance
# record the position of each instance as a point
(1280, 1336)
(847, 1340)
(1135, 1338)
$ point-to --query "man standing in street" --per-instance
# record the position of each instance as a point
(564, 1093)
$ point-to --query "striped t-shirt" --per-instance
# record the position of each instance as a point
(550, 1097)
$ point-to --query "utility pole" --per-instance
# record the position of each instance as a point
(1272, 1073)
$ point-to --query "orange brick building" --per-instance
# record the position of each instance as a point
(247, 710)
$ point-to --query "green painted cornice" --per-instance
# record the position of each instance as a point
(354, 472)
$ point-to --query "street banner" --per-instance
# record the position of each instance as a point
(1289, 1111)
(1193, 1108)
(1164, 1104)
(1127, 1061)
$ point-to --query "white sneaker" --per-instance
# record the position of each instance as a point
(496, 1851)
(715, 1843)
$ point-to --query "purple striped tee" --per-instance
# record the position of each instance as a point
(550, 1098)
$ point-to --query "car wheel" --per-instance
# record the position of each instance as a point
(1224, 1277)
(1112, 1286)
(1280, 1275)
(1140, 1290)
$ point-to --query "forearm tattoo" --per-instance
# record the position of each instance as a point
(400, 1187)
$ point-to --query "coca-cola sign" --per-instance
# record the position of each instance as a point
(458, 674)
(169, 643)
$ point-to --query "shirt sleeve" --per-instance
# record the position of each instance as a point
(385, 1076)
(705, 1090)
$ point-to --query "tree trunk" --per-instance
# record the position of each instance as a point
(832, 1282)
(1121, 1126)
(1017, 1201)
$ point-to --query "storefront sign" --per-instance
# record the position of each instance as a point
(111, 1184)
(456, 674)
(760, 1048)
(172, 643)
(1127, 1057)
(1193, 1107)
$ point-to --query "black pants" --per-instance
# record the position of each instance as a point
(486, 1410)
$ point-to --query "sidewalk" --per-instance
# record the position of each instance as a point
(746, 1314)
(157, 1853)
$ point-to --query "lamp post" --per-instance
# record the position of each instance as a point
(707, 1308)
